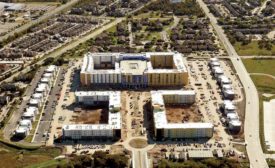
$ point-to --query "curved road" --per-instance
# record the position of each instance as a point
(263, 74)
(251, 125)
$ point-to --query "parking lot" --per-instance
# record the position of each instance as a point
(64, 109)
(47, 115)
(209, 96)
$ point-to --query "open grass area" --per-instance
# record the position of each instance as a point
(13, 157)
(148, 15)
(266, 66)
(49, 164)
(138, 143)
(264, 84)
(252, 49)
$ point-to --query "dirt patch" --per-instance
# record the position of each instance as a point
(91, 116)
(180, 114)
(138, 143)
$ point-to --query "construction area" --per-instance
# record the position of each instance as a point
(181, 114)
(91, 116)
(193, 117)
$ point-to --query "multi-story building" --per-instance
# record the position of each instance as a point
(95, 131)
(164, 129)
(158, 69)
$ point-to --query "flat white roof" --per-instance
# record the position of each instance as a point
(157, 96)
(37, 95)
(47, 75)
(34, 101)
(25, 123)
(51, 68)
(41, 87)
(88, 62)
(31, 109)
(227, 87)
(235, 122)
(218, 70)
(230, 92)
(44, 80)
(214, 59)
(28, 114)
(114, 96)
(21, 129)
(200, 154)
(232, 116)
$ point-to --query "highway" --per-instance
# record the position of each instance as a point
(47, 15)
(251, 125)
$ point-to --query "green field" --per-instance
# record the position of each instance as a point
(12, 157)
(252, 49)
(264, 84)
(266, 66)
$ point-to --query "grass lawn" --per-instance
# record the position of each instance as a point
(147, 15)
(264, 84)
(266, 66)
(252, 49)
(12, 157)
(48, 164)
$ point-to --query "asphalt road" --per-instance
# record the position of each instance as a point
(45, 122)
(139, 159)
(13, 122)
(251, 125)
(42, 18)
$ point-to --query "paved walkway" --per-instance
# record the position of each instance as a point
(263, 74)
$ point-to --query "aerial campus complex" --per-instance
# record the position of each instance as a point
(144, 70)
(137, 83)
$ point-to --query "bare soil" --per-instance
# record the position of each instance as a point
(92, 116)
(180, 114)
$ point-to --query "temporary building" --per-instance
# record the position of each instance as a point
(33, 110)
(235, 126)
(35, 103)
(26, 123)
(21, 131)
(229, 94)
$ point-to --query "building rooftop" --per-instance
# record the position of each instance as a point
(135, 63)
(160, 118)
(51, 68)
(114, 96)
(25, 122)
(200, 154)
(135, 67)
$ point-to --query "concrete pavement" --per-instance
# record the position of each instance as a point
(251, 125)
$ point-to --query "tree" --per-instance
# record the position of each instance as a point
(48, 61)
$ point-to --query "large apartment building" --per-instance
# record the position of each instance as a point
(156, 69)
(165, 129)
